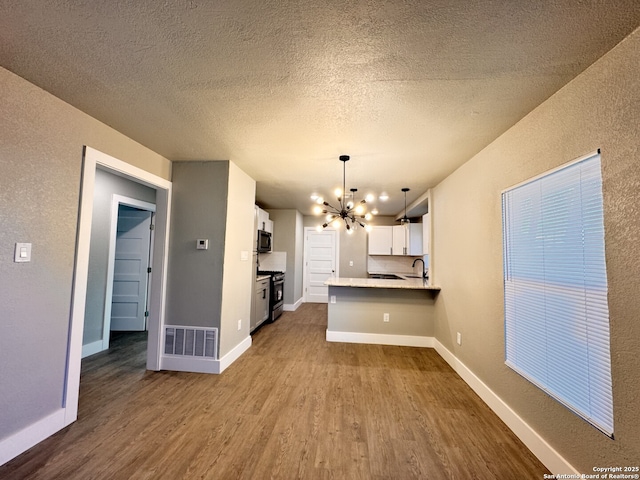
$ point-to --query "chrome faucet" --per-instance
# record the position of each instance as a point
(424, 268)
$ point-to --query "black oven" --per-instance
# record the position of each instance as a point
(276, 299)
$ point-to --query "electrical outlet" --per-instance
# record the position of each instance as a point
(239, 324)
(351, 263)
(459, 338)
(385, 317)
(333, 299)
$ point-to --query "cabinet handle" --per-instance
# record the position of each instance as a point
(264, 293)
(390, 250)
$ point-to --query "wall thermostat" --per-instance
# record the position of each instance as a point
(202, 244)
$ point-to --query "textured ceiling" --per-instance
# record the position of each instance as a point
(411, 89)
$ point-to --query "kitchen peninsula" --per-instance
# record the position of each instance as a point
(381, 311)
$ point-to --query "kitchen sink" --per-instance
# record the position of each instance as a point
(385, 276)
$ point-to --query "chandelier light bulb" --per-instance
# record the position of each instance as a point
(337, 192)
(359, 209)
(368, 216)
(374, 211)
(319, 200)
(349, 205)
(368, 228)
(318, 228)
(350, 231)
(336, 223)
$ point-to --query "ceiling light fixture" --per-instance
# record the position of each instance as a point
(350, 212)
(405, 220)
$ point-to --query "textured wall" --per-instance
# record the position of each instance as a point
(106, 185)
(599, 109)
(198, 210)
(41, 141)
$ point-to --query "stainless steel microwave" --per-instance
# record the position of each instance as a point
(264, 241)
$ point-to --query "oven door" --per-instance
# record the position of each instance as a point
(277, 297)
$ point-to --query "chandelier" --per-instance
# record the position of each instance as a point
(348, 211)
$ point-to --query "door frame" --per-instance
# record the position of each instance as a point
(116, 201)
(305, 270)
(91, 160)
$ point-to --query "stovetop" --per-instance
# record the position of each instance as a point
(269, 272)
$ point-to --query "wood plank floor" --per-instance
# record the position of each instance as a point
(293, 406)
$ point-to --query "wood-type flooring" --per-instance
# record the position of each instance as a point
(292, 407)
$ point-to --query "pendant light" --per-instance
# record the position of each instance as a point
(348, 211)
(405, 220)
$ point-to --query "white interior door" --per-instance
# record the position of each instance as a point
(130, 270)
(321, 249)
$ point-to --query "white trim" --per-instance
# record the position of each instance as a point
(553, 170)
(26, 438)
(183, 363)
(292, 307)
(91, 160)
(92, 348)
(235, 353)
(116, 201)
(534, 442)
(380, 339)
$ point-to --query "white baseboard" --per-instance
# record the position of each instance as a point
(26, 438)
(380, 339)
(184, 363)
(234, 354)
(91, 348)
(534, 442)
(292, 307)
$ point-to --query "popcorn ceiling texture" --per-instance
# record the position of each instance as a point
(411, 89)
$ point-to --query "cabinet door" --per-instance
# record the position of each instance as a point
(414, 246)
(380, 240)
(399, 240)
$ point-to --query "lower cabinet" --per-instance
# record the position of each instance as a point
(261, 303)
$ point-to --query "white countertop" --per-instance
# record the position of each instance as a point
(406, 283)
(259, 278)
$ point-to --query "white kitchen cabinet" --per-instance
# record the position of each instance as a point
(380, 240)
(263, 221)
(407, 239)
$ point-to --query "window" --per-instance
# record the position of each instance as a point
(555, 288)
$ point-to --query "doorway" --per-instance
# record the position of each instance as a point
(93, 159)
(320, 262)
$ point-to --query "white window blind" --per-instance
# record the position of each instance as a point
(555, 287)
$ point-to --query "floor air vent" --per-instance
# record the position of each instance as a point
(191, 341)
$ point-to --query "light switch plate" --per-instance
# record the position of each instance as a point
(244, 255)
(22, 253)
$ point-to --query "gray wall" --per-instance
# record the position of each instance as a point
(41, 140)
(288, 236)
(198, 210)
(106, 185)
(361, 310)
(213, 200)
(598, 109)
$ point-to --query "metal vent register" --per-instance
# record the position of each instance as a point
(191, 341)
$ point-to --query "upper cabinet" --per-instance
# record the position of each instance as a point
(381, 240)
(407, 239)
(263, 221)
(396, 240)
